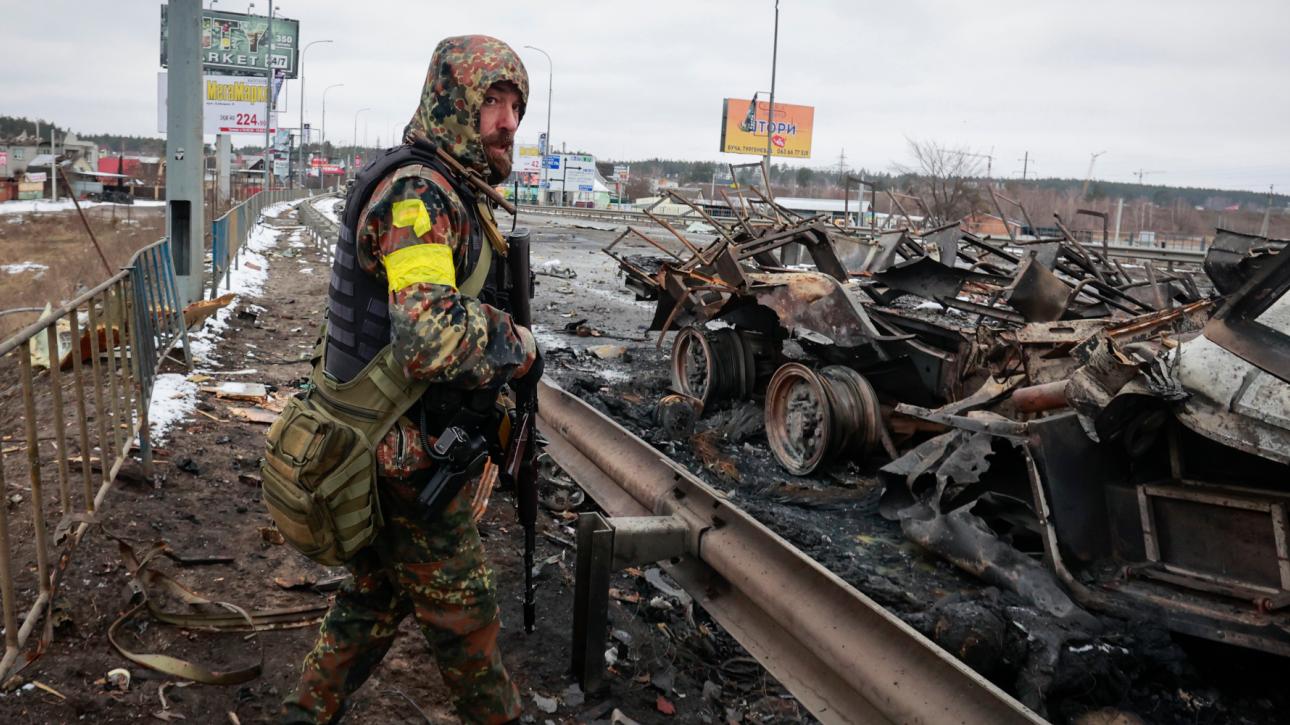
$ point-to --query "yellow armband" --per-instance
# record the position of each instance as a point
(420, 263)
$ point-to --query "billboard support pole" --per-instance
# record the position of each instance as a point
(770, 109)
(268, 103)
(184, 157)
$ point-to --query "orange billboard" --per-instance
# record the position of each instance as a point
(743, 128)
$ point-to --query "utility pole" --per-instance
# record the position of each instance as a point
(268, 103)
(1025, 165)
(53, 165)
(1267, 214)
(770, 109)
(185, 170)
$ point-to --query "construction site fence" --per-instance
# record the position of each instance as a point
(230, 231)
(80, 380)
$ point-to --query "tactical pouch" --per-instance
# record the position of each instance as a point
(319, 470)
(319, 476)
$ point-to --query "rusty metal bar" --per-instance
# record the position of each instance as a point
(100, 408)
(60, 424)
(111, 331)
(7, 594)
(843, 656)
(82, 422)
(127, 354)
(33, 470)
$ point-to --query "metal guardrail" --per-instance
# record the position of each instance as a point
(123, 328)
(321, 229)
(229, 232)
(841, 654)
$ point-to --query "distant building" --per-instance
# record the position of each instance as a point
(989, 225)
(19, 152)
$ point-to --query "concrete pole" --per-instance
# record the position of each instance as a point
(184, 158)
(268, 104)
(53, 165)
(1267, 215)
(223, 163)
(1119, 210)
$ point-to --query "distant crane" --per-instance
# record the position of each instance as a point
(1141, 173)
(1088, 176)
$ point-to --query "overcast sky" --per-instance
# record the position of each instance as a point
(1197, 92)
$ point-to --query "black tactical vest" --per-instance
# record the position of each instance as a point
(358, 322)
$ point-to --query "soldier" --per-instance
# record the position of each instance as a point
(412, 270)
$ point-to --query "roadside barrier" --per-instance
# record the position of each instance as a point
(321, 229)
(230, 231)
(99, 354)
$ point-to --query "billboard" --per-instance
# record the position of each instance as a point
(230, 104)
(575, 171)
(527, 159)
(239, 43)
(743, 128)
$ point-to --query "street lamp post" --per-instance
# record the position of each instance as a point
(549, 78)
(322, 143)
(354, 155)
(302, 107)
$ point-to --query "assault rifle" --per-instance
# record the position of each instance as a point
(520, 463)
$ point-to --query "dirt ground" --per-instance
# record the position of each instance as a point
(47, 257)
(204, 502)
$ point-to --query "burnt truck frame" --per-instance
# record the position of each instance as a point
(1184, 516)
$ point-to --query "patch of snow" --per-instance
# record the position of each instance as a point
(277, 210)
(306, 270)
(173, 399)
(245, 281)
(45, 206)
(21, 267)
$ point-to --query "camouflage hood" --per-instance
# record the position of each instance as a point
(461, 70)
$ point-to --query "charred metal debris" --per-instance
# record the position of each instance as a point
(1063, 419)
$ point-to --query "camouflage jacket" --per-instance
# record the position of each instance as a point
(415, 232)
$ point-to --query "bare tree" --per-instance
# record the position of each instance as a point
(948, 179)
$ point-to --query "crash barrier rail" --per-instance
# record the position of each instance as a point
(322, 230)
(841, 654)
(86, 373)
(230, 231)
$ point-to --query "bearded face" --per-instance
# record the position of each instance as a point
(498, 120)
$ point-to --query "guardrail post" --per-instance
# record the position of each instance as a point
(604, 546)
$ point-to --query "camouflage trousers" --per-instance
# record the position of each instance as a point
(437, 573)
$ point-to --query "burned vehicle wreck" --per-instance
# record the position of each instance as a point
(1152, 480)
(1090, 432)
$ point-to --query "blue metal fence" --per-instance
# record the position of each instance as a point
(230, 231)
